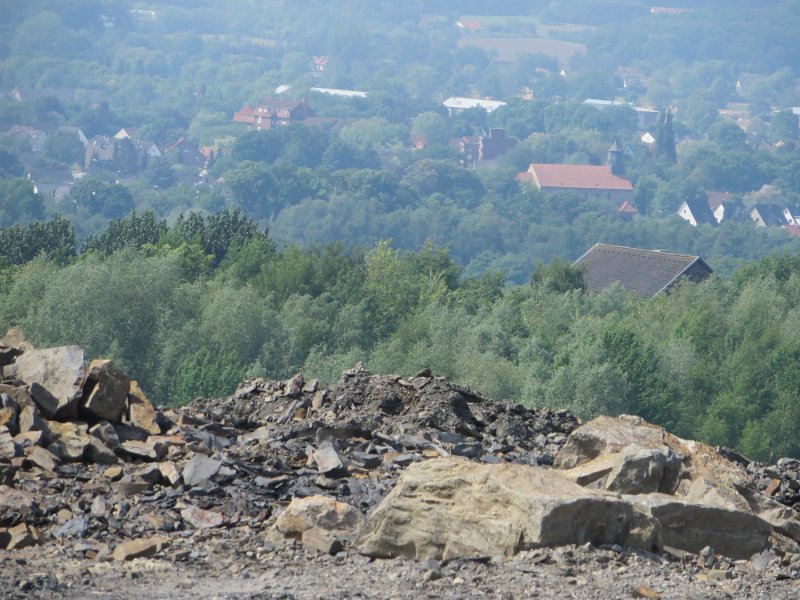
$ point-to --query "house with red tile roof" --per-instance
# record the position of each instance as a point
(595, 182)
(273, 112)
(592, 181)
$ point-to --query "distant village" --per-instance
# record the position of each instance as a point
(607, 183)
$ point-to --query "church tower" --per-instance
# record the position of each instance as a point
(615, 162)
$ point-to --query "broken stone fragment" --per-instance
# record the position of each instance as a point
(328, 460)
(105, 391)
(141, 548)
(8, 418)
(35, 455)
(319, 522)
(8, 449)
(100, 454)
(55, 376)
(199, 470)
(15, 338)
(131, 486)
(18, 394)
(100, 507)
(202, 519)
(169, 471)
(21, 536)
(141, 413)
(70, 440)
(294, 386)
(29, 420)
(106, 433)
(148, 450)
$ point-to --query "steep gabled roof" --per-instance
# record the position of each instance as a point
(646, 272)
(701, 211)
(590, 177)
(771, 215)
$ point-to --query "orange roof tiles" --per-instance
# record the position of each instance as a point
(577, 177)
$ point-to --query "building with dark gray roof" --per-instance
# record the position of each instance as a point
(646, 272)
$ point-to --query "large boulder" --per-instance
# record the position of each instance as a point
(55, 376)
(630, 456)
(691, 527)
(448, 508)
(105, 391)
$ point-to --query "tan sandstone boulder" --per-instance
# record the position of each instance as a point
(448, 508)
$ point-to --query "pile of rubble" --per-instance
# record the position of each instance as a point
(378, 466)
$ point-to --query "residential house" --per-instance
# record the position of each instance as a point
(721, 204)
(456, 105)
(143, 147)
(598, 182)
(33, 137)
(274, 112)
(648, 139)
(485, 147)
(99, 151)
(627, 211)
(319, 63)
(184, 152)
(697, 212)
(645, 272)
(771, 215)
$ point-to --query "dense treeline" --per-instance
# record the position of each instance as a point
(191, 310)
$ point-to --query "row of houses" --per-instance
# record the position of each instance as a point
(101, 150)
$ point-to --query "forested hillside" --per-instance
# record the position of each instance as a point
(148, 214)
(193, 309)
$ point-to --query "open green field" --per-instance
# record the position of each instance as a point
(508, 47)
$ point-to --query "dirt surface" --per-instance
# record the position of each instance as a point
(292, 573)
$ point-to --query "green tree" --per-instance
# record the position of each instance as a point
(64, 147)
(665, 138)
(19, 203)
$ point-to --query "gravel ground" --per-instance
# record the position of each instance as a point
(291, 573)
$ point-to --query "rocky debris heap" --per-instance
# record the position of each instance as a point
(378, 465)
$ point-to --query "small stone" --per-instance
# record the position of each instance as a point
(22, 536)
(149, 450)
(773, 487)
(170, 472)
(42, 458)
(8, 449)
(77, 527)
(100, 454)
(29, 438)
(131, 486)
(645, 592)
(141, 548)
(70, 440)
(113, 473)
(202, 519)
(8, 419)
(100, 507)
(328, 461)
(105, 432)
